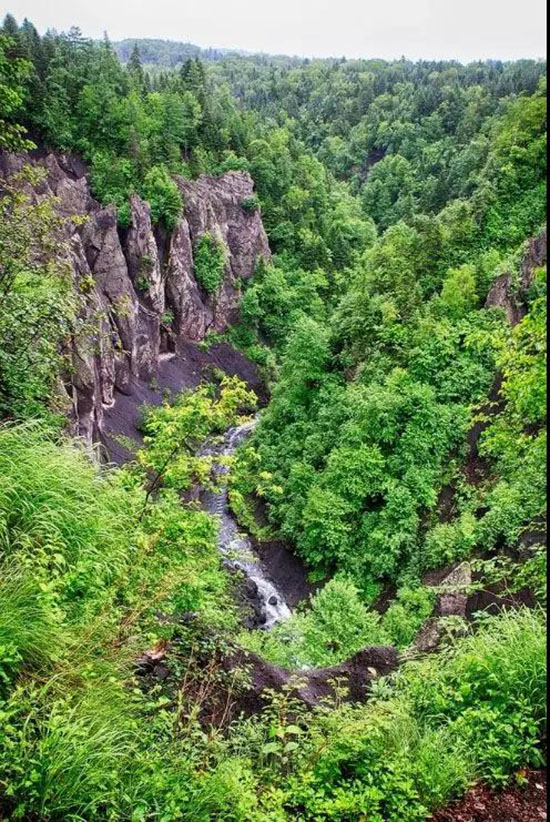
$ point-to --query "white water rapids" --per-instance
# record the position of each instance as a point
(236, 547)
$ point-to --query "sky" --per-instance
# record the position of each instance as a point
(418, 29)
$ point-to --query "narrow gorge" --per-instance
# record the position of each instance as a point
(272, 430)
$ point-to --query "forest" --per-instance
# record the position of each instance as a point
(399, 330)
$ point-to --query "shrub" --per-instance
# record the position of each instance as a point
(112, 180)
(450, 542)
(175, 430)
(476, 711)
(210, 260)
(251, 204)
(232, 162)
(336, 626)
(163, 195)
(407, 613)
(490, 690)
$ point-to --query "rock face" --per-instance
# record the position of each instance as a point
(309, 687)
(260, 679)
(451, 601)
(141, 295)
(505, 293)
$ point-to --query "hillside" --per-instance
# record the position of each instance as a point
(272, 435)
(165, 53)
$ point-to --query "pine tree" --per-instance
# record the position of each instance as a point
(10, 26)
(135, 69)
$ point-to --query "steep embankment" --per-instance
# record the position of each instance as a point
(142, 299)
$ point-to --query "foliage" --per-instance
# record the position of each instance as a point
(97, 747)
(335, 624)
(250, 204)
(112, 180)
(85, 573)
(474, 711)
(491, 693)
(209, 260)
(175, 431)
(373, 433)
(334, 627)
(14, 71)
(38, 305)
(164, 197)
(393, 194)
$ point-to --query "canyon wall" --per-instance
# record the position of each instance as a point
(141, 295)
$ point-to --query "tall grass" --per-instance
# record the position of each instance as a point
(59, 511)
(29, 632)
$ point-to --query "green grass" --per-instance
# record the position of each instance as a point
(29, 632)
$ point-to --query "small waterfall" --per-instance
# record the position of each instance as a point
(236, 547)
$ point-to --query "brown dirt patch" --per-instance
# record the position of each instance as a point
(527, 803)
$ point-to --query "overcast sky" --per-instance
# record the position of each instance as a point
(452, 29)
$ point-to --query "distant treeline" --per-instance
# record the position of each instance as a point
(165, 53)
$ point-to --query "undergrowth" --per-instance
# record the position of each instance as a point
(91, 577)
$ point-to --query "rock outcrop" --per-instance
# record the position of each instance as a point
(310, 687)
(510, 295)
(451, 601)
(248, 681)
(141, 295)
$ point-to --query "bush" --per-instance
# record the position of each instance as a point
(209, 260)
(407, 613)
(112, 180)
(164, 197)
(491, 690)
(251, 204)
(232, 162)
(450, 542)
(334, 627)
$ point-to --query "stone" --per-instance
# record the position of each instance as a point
(161, 672)
(251, 588)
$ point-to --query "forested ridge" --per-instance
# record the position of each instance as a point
(400, 331)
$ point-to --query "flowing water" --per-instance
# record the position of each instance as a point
(235, 546)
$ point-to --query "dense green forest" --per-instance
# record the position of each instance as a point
(394, 196)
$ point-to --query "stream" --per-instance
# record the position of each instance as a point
(233, 544)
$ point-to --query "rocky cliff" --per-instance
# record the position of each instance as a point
(509, 292)
(142, 298)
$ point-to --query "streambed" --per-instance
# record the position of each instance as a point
(235, 546)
